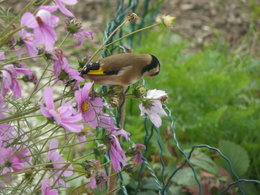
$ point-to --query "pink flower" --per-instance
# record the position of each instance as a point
(62, 69)
(58, 166)
(89, 106)
(46, 188)
(6, 130)
(9, 79)
(65, 115)
(153, 108)
(81, 34)
(11, 161)
(63, 9)
(117, 155)
(29, 43)
(138, 154)
(94, 172)
(43, 26)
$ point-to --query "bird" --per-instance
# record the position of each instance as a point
(121, 69)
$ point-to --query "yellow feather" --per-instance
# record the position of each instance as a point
(99, 71)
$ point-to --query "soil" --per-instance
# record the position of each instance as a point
(198, 20)
(203, 20)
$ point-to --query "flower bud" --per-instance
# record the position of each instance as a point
(29, 177)
(101, 178)
(132, 17)
(30, 78)
(82, 62)
(114, 101)
(102, 147)
(73, 26)
(106, 139)
(46, 55)
(130, 168)
(139, 91)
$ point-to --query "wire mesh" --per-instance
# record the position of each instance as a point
(162, 183)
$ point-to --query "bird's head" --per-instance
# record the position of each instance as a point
(153, 68)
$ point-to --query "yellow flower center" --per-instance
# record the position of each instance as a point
(58, 112)
(26, 39)
(85, 106)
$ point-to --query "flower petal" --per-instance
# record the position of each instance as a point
(29, 20)
(155, 119)
(70, 2)
(47, 97)
(63, 9)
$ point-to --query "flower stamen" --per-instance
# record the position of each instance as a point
(85, 106)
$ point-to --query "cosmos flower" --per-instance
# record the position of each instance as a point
(65, 115)
(62, 70)
(29, 43)
(58, 166)
(9, 79)
(63, 9)
(46, 188)
(89, 106)
(43, 26)
(117, 154)
(13, 160)
(152, 106)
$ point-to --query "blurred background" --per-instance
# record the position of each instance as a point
(210, 70)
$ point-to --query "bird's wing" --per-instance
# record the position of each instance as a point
(109, 66)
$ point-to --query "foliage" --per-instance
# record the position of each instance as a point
(214, 93)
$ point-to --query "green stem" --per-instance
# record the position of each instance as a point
(37, 85)
(24, 134)
(28, 170)
(61, 147)
(129, 34)
(67, 35)
(13, 21)
(34, 109)
(20, 59)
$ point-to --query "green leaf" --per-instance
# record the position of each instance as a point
(126, 178)
(184, 177)
(236, 154)
(204, 162)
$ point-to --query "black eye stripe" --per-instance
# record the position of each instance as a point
(154, 64)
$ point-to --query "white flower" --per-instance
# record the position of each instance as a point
(167, 20)
(153, 108)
